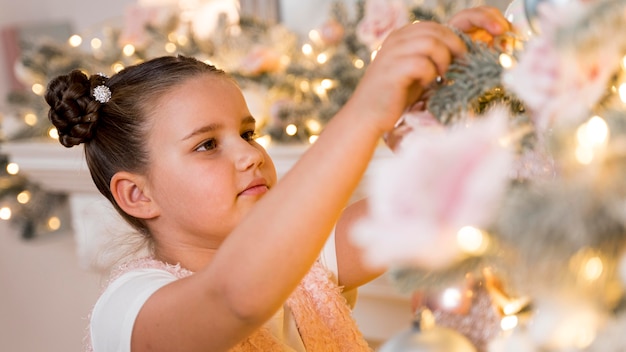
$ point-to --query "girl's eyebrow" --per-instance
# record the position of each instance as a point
(216, 126)
(248, 120)
(204, 129)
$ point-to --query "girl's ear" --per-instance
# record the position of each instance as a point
(132, 195)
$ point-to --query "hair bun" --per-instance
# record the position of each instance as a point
(73, 110)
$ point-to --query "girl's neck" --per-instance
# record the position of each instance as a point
(191, 258)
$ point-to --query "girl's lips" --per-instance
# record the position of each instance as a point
(254, 190)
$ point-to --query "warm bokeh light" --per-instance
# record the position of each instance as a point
(13, 168)
(322, 58)
(506, 60)
(508, 323)
(96, 43)
(264, 141)
(472, 240)
(593, 268)
(128, 49)
(291, 129)
(117, 67)
(54, 223)
(53, 133)
(23, 197)
(5, 213)
(75, 40)
(38, 88)
(171, 48)
(30, 119)
(307, 49)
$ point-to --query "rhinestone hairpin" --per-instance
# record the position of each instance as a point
(102, 93)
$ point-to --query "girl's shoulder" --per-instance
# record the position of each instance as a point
(144, 263)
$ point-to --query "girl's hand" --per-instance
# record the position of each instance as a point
(408, 60)
(483, 23)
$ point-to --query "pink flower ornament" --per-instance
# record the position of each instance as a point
(436, 184)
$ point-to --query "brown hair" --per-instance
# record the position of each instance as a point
(113, 131)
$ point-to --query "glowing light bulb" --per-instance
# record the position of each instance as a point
(506, 60)
(264, 141)
(117, 67)
(314, 125)
(37, 88)
(472, 240)
(313, 138)
(622, 92)
(358, 63)
(5, 213)
(314, 35)
(509, 323)
(593, 268)
(327, 83)
(170, 48)
(322, 58)
(96, 43)
(13, 168)
(291, 129)
(590, 137)
(128, 49)
(307, 49)
(23, 197)
(53, 133)
(54, 223)
(30, 119)
(75, 40)
(373, 54)
(451, 298)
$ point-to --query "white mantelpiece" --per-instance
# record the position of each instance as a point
(381, 310)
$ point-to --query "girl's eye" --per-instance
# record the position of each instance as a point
(207, 145)
(248, 135)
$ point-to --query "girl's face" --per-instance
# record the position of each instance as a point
(206, 171)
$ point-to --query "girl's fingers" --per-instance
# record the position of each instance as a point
(486, 18)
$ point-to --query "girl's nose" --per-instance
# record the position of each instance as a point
(248, 156)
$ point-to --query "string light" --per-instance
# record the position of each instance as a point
(322, 58)
(75, 40)
(53, 133)
(313, 125)
(23, 197)
(506, 60)
(54, 223)
(264, 141)
(38, 88)
(451, 298)
(472, 240)
(96, 43)
(327, 83)
(13, 168)
(593, 268)
(117, 67)
(170, 48)
(314, 35)
(307, 49)
(590, 137)
(358, 63)
(30, 119)
(5, 213)
(622, 92)
(128, 49)
(509, 322)
(313, 139)
(291, 130)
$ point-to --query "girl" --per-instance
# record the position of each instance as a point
(233, 266)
